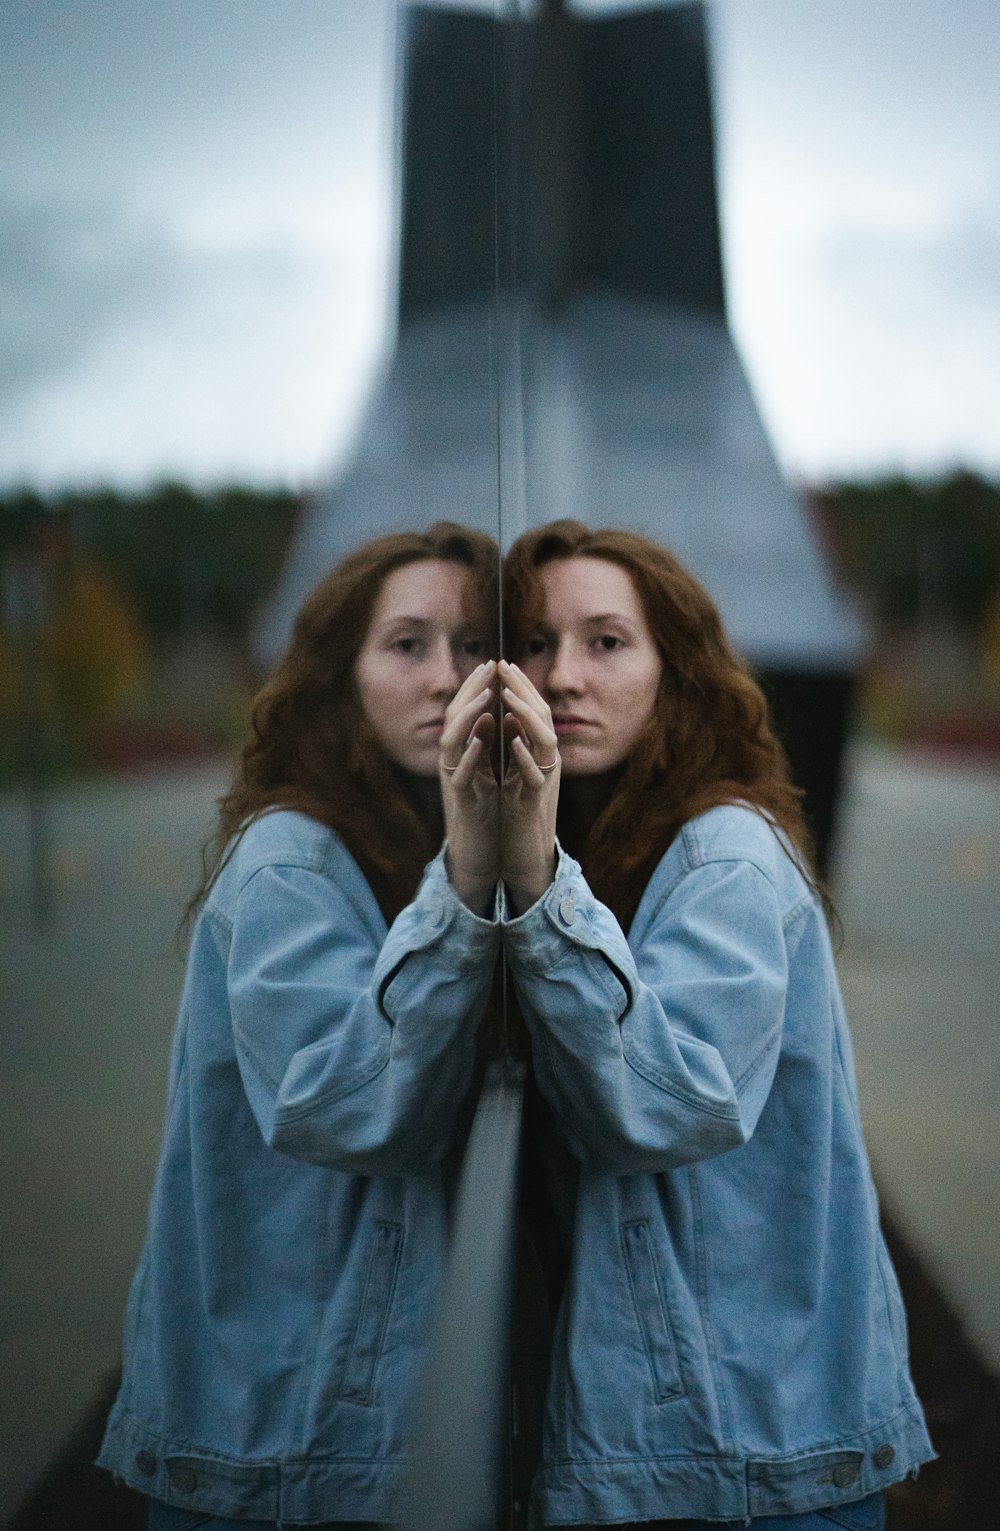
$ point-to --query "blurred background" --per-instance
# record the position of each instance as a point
(200, 209)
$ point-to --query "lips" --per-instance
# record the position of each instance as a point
(570, 723)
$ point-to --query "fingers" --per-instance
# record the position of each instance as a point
(483, 677)
(468, 752)
(459, 725)
(515, 680)
(464, 772)
(471, 752)
(469, 712)
(534, 728)
(470, 726)
(526, 764)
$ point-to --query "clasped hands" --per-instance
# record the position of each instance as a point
(500, 792)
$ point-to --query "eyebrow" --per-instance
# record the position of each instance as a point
(600, 620)
(423, 623)
(603, 618)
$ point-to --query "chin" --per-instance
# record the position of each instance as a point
(589, 763)
(582, 767)
(420, 763)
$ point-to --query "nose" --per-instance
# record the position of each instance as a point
(444, 677)
(565, 676)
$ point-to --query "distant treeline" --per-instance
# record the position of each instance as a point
(917, 551)
(176, 555)
(912, 550)
(126, 618)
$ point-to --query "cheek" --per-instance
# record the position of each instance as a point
(644, 694)
(376, 691)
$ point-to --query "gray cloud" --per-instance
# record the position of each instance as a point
(68, 273)
(956, 266)
(72, 274)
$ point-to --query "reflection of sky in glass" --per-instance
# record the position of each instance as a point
(195, 207)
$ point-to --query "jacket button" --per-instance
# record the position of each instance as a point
(183, 1479)
(883, 1455)
(845, 1473)
(567, 908)
(145, 1462)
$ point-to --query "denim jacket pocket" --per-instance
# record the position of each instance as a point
(651, 1310)
(358, 1381)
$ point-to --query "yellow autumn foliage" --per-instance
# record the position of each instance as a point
(94, 649)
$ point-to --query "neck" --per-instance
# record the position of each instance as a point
(582, 799)
(423, 793)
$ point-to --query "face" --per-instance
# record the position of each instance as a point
(419, 647)
(594, 660)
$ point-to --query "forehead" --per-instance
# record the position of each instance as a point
(428, 588)
(579, 588)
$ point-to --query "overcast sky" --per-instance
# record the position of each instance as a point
(196, 207)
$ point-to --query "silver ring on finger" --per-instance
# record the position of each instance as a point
(450, 770)
(546, 769)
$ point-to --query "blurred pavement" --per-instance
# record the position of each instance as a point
(919, 895)
(88, 1008)
(86, 1014)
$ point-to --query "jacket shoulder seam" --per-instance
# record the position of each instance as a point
(735, 858)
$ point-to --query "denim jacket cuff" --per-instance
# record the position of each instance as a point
(566, 915)
(438, 917)
(508, 920)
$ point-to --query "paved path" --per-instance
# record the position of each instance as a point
(88, 1009)
(919, 893)
(87, 1012)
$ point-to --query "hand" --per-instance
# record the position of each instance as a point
(470, 792)
(530, 790)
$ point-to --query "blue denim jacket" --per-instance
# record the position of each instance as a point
(731, 1342)
(297, 1222)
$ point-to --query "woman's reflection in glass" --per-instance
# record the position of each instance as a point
(323, 1056)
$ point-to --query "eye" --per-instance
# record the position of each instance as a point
(474, 648)
(608, 642)
(534, 646)
(410, 646)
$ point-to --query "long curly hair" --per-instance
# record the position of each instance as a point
(311, 748)
(709, 740)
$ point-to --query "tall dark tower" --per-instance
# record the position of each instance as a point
(605, 177)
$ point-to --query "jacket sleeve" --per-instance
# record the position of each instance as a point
(355, 1055)
(659, 1062)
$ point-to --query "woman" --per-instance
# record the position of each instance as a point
(324, 1051)
(730, 1344)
